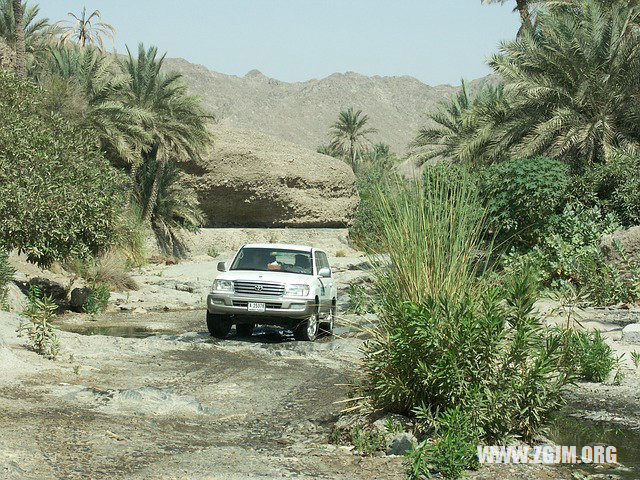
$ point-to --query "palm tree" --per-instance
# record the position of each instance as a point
(108, 109)
(176, 122)
(464, 127)
(349, 135)
(575, 83)
(21, 55)
(175, 209)
(86, 30)
(32, 37)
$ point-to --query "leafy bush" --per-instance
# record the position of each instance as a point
(108, 270)
(366, 441)
(98, 300)
(454, 450)
(613, 186)
(570, 256)
(40, 332)
(522, 194)
(485, 354)
(59, 197)
(586, 354)
(6, 275)
(359, 300)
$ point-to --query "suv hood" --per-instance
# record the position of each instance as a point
(278, 277)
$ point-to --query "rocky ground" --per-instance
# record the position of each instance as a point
(166, 401)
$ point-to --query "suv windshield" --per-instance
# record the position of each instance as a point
(268, 260)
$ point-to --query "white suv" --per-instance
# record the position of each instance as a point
(273, 284)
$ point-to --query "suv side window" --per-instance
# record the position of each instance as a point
(317, 261)
(321, 258)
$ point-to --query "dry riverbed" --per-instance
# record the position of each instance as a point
(148, 394)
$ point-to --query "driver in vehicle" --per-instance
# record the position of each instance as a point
(253, 260)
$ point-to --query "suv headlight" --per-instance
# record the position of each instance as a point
(297, 290)
(223, 286)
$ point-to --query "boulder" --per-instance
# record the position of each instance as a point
(79, 298)
(631, 333)
(401, 444)
(250, 179)
(629, 241)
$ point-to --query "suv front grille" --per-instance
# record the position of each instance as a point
(258, 288)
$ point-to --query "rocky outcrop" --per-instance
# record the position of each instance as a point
(250, 179)
(629, 241)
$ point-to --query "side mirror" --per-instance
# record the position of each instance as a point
(222, 266)
(325, 272)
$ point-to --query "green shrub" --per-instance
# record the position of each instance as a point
(586, 354)
(359, 300)
(485, 354)
(59, 197)
(570, 256)
(613, 186)
(453, 451)
(366, 441)
(521, 196)
(98, 300)
(6, 275)
(213, 251)
(41, 334)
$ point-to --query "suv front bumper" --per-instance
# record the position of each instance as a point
(280, 307)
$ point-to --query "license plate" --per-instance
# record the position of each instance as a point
(255, 307)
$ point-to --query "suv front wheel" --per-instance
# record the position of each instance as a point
(307, 330)
(219, 325)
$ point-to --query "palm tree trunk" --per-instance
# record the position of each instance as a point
(352, 155)
(525, 15)
(153, 195)
(21, 56)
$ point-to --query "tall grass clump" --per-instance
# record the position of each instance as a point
(431, 230)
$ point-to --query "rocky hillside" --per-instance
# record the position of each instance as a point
(302, 112)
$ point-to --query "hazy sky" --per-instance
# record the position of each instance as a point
(437, 41)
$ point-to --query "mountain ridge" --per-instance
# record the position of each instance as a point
(302, 112)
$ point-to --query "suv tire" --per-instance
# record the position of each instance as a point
(219, 325)
(307, 330)
(244, 329)
(326, 327)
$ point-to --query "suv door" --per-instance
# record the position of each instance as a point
(328, 284)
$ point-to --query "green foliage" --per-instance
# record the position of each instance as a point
(40, 332)
(569, 256)
(587, 355)
(6, 275)
(213, 251)
(58, 196)
(359, 300)
(98, 300)
(573, 82)
(454, 450)
(371, 178)
(463, 130)
(349, 136)
(470, 368)
(614, 187)
(431, 230)
(635, 358)
(175, 209)
(522, 195)
(367, 442)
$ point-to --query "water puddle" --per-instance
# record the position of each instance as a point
(117, 331)
(573, 431)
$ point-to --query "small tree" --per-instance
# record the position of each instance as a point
(349, 135)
